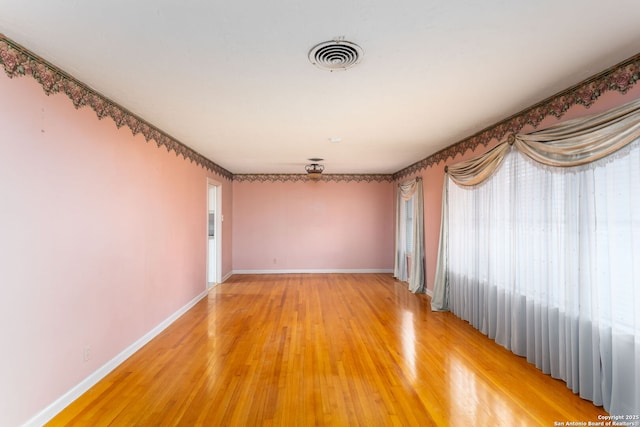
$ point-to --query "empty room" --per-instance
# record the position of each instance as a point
(339, 213)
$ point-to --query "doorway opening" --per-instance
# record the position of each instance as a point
(214, 232)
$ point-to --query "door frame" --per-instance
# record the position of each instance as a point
(218, 233)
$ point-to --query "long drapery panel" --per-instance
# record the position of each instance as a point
(546, 259)
(413, 271)
(440, 296)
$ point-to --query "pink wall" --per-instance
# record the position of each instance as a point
(312, 226)
(102, 237)
(433, 176)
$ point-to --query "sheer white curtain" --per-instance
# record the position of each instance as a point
(546, 261)
(540, 250)
(413, 271)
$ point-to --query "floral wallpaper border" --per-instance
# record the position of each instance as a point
(620, 77)
(303, 177)
(18, 61)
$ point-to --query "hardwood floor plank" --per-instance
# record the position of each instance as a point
(323, 349)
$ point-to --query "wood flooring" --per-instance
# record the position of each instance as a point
(323, 349)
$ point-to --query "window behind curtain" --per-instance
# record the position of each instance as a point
(547, 262)
(408, 212)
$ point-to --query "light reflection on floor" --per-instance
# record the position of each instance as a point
(409, 342)
(466, 391)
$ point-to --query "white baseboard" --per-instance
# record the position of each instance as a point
(63, 401)
(375, 270)
(429, 292)
(229, 274)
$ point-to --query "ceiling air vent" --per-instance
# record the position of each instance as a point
(335, 55)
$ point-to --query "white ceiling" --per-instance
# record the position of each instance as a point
(232, 79)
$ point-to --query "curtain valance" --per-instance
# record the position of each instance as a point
(571, 143)
(408, 189)
(476, 170)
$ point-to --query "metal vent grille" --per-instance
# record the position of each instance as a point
(335, 55)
